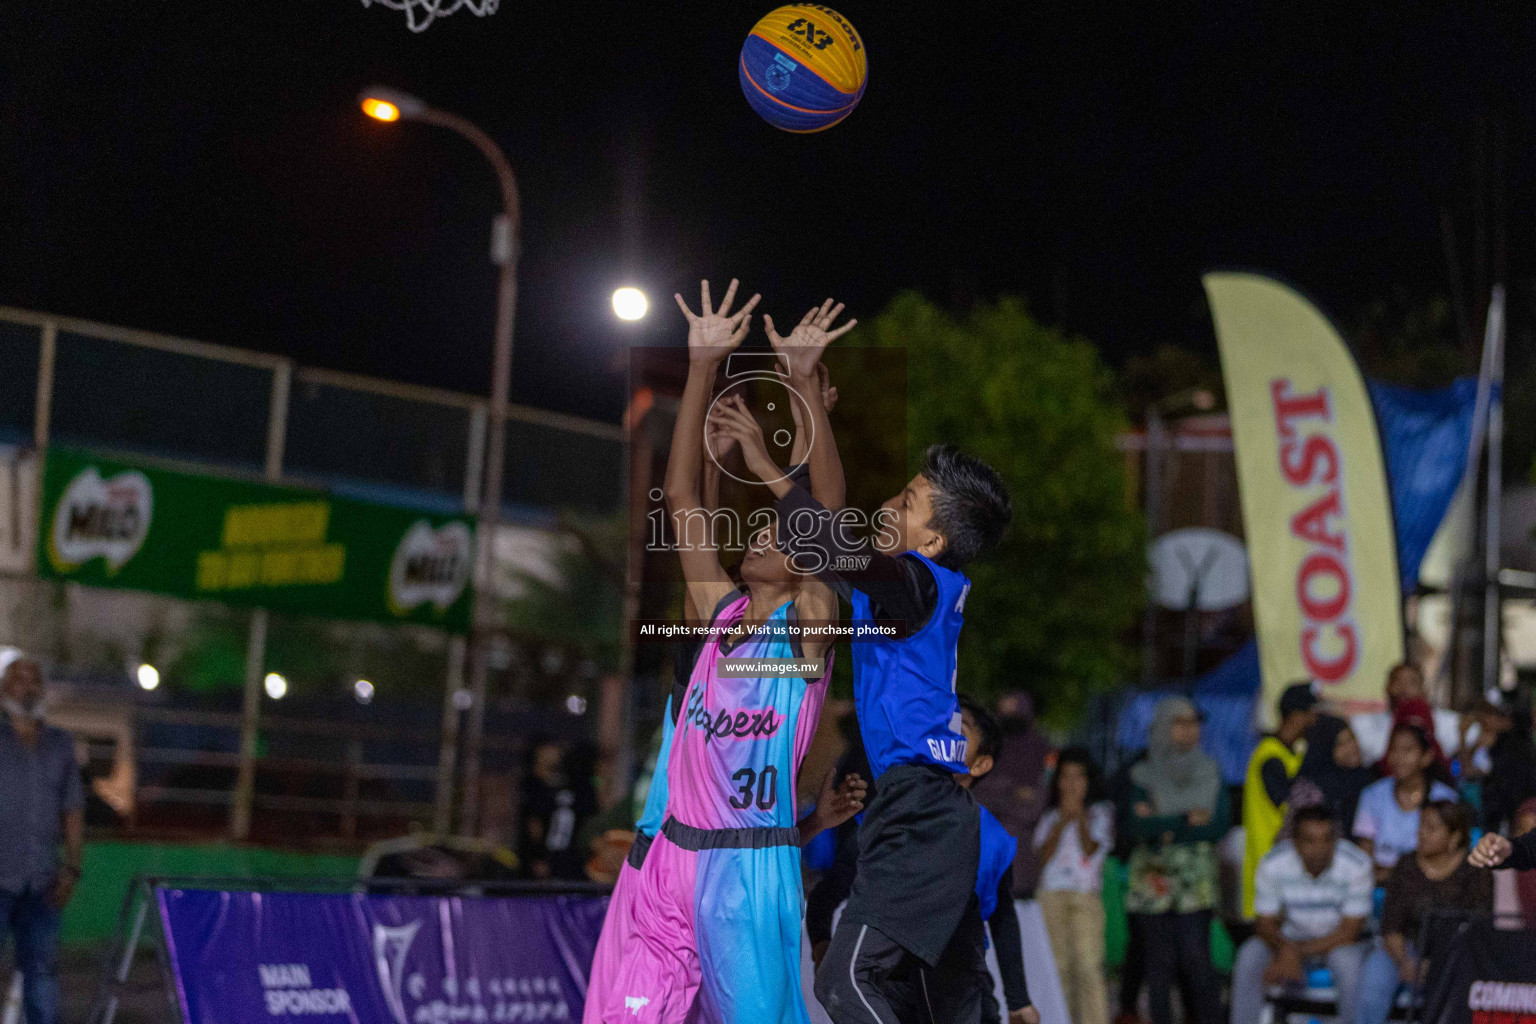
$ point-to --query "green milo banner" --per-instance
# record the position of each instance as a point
(111, 523)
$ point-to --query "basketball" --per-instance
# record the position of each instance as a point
(803, 68)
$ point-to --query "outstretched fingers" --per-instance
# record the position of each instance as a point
(850, 325)
(730, 297)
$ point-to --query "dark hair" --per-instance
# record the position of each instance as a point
(1316, 812)
(1419, 734)
(971, 506)
(990, 741)
(1436, 771)
(1080, 756)
(1456, 818)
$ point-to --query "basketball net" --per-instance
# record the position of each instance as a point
(419, 13)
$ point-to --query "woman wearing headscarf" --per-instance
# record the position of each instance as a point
(1333, 774)
(1179, 814)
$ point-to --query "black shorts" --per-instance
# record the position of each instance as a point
(919, 847)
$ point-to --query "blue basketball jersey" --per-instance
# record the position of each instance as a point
(998, 849)
(656, 797)
(904, 690)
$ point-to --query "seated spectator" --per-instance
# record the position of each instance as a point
(1179, 812)
(1435, 877)
(1387, 822)
(1271, 771)
(1511, 778)
(1405, 687)
(1333, 775)
(1073, 839)
(1312, 895)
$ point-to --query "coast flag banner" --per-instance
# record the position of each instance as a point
(1316, 509)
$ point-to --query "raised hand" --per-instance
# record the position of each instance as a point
(810, 338)
(715, 332)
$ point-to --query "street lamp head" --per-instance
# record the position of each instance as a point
(385, 104)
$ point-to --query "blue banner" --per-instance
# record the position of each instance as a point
(249, 957)
(1425, 436)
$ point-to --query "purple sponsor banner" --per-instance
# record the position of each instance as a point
(249, 957)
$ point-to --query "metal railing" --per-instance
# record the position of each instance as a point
(233, 410)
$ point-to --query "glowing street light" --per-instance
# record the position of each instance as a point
(148, 676)
(379, 102)
(380, 110)
(630, 303)
(277, 686)
(363, 691)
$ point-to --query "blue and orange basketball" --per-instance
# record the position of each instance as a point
(803, 68)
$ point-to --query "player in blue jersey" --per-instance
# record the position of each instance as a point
(919, 845)
(960, 979)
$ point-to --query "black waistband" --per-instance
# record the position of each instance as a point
(638, 850)
(690, 838)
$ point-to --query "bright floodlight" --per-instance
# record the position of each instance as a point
(277, 686)
(363, 691)
(380, 110)
(576, 704)
(149, 677)
(630, 303)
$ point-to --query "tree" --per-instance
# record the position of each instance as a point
(1051, 609)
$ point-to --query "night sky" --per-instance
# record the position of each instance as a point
(202, 169)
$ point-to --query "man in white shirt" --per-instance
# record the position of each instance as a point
(1373, 729)
(1311, 897)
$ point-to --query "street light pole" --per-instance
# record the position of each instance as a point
(390, 105)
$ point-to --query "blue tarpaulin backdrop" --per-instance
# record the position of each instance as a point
(1424, 438)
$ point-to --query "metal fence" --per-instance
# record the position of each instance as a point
(99, 386)
(231, 410)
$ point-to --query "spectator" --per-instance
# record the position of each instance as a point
(554, 806)
(1133, 969)
(1271, 771)
(1015, 790)
(1434, 877)
(1312, 895)
(1179, 813)
(1387, 822)
(41, 802)
(1333, 775)
(1072, 841)
(1511, 779)
(1404, 690)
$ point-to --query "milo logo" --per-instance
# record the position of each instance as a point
(100, 518)
(430, 566)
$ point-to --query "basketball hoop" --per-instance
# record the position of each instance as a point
(419, 13)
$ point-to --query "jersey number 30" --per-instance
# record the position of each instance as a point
(765, 784)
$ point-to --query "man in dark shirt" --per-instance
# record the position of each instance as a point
(41, 803)
(1511, 779)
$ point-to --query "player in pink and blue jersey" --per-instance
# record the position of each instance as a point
(714, 925)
